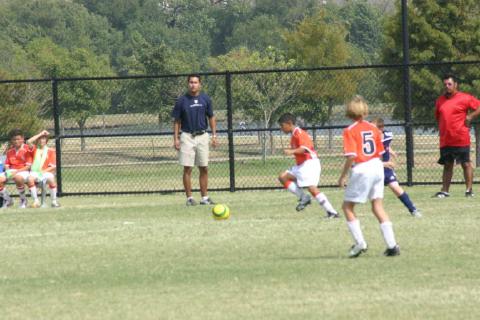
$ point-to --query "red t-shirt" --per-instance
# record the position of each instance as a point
(300, 138)
(18, 159)
(451, 114)
(363, 141)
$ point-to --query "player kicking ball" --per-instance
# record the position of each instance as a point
(362, 144)
(390, 179)
(306, 172)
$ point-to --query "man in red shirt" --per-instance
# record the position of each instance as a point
(453, 117)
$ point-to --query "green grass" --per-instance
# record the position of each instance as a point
(150, 257)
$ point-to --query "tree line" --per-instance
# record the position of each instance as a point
(83, 38)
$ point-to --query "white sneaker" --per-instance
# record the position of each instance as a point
(357, 249)
(416, 214)
(23, 203)
(55, 204)
(36, 204)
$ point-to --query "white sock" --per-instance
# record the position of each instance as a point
(53, 194)
(33, 193)
(322, 199)
(5, 194)
(388, 236)
(296, 190)
(21, 193)
(356, 231)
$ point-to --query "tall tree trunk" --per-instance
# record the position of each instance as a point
(81, 125)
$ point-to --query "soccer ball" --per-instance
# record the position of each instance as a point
(220, 212)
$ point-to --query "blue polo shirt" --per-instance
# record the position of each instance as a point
(193, 112)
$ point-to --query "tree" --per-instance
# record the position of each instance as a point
(317, 41)
(18, 111)
(439, 31)
(261, 96)
(78, 100)
(157, 96)
(364, 27)
(267, 31)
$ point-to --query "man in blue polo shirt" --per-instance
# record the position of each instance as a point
(192, 114)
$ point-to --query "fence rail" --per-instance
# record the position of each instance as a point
(123, 144)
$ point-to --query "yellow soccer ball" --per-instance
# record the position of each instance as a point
(220, 212)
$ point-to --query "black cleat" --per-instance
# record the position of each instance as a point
(332, 215)
(304, 202)
(469, 193)
(392, 252)
(441, 194)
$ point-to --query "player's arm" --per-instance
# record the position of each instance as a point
(213, 126)
(290, 151)
(342, 181)
(176, 133)
(471, 116)
(34, 139)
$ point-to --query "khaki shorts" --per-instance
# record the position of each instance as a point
(193, 150)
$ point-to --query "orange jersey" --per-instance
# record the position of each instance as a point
(300, 138)
(50, 161)
(363, 141)
(18, 159)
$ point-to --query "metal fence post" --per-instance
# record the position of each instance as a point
(58, 144)
(231, 151)
(407, 92)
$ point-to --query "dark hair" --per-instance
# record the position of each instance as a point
(286, 117)
(450, 76)
(15, 132)
(194, 75)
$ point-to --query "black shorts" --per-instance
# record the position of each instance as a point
(457, 154)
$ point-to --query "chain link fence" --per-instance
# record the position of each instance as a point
(114, 135)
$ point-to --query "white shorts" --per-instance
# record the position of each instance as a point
(23, 174)
(307, 173)
(45, 176)
(365, 182)
(193, 150)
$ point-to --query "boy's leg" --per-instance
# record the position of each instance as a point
(385, 226)
(403, 197)
(7, 200)
(49, 179)
(33, 191)
(289, 182)
(353, 224)
(20, 183)
(323, 201)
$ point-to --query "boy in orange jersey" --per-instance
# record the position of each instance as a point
(44, 165)
(362, 144)
(306, 172)
(17, 166)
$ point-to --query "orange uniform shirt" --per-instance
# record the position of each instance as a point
(363, 141)
(50, 161)
(300, 138)
(18, 159)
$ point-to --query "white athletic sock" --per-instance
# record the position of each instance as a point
(33, 193)
(323, 201)
(296, 190)
(21, 193)
(5, 194)
(388, 236)
(205, 198)
(53, 194)
(356, 231)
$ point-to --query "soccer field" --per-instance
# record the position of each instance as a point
(150, 257)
